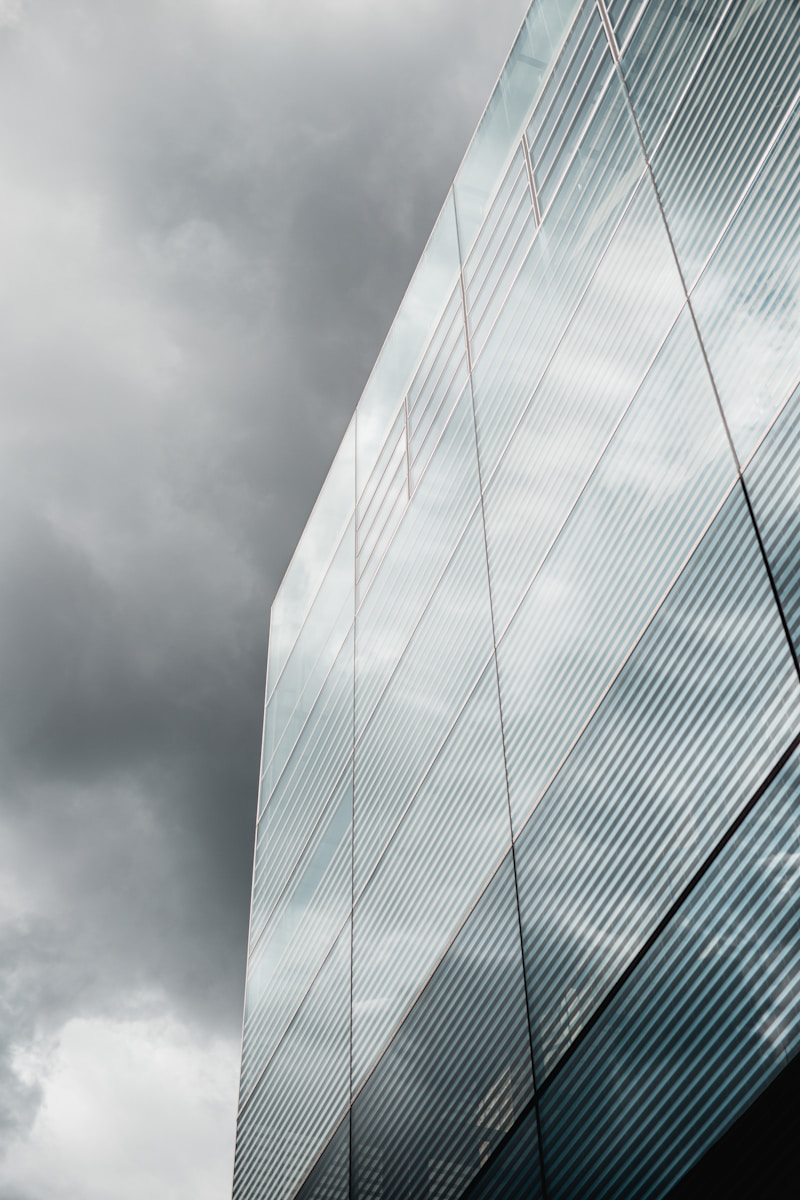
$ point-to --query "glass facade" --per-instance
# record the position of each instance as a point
(525, 916)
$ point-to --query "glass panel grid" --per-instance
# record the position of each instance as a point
(609, 578)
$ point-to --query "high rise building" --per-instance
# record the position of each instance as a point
(525, 913)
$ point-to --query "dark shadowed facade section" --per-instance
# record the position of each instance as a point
(525, 907)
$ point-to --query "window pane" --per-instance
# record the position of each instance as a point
(414, 563)
(514, 1173)
(748, 301)
(430, 685)
(309, 663)
(306, 571)
(700, 714)
(305, 786)
(496, 138)
(713, 146)
(304, 1092)
(664, 52)
(614, 336)
(708, 1018)
(643, 509)
(543, 292)
(300, 930)
(773, 482)
(405, 344)
(447, 844)
(330, 1178)
(457, 1074)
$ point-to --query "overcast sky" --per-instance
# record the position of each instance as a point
(209, 211)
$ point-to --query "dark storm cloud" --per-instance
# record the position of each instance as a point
(210, 211)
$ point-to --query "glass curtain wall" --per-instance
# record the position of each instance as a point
(525, 906)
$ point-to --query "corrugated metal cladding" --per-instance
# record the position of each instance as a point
(525, 906)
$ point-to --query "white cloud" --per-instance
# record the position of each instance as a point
(130, 1109)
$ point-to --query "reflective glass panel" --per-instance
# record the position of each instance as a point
(663, 46)
(305, 786)
(546, 288)
(703, 1024)
(708, 157)
(748, 300)
(306, 571)
(452, 836)
(310, 661)
(496, 138)
(623, 319)
(574, 90)
(642, 510)
(425, 542)
(297, 1102)
(330, 1177)
(430, 685)
(514, 1172)
(702, 711)
(457, 1074)
(306, 918)
(413, 327)
(624, 16)
(500, 250)
(773, 483)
